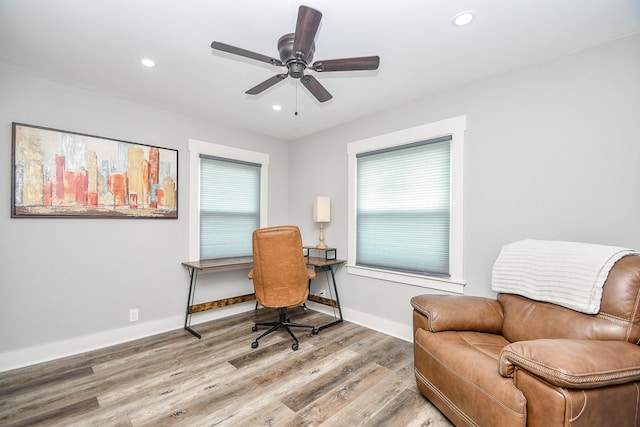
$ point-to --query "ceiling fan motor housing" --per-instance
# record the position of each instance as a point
(296, 63)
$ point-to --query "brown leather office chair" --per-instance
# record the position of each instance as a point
(280, 276)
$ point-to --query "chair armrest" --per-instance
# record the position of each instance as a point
(574, 363)
(459, 313)
(311, 272)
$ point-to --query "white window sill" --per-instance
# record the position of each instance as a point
(437, 283)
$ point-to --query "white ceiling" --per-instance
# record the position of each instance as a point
(97, 44)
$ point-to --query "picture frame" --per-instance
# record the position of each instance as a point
(63, 174)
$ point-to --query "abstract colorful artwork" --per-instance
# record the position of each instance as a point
(66, 174)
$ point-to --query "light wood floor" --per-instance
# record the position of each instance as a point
(347, 375)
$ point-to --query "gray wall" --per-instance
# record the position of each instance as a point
(66, 284)
(551, 152)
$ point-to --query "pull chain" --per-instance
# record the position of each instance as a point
(296, 112)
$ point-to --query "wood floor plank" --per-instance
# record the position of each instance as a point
(215, 397)
(345, 375)
(408, 409)
(61, 415)
(34, 385)
(328, 343)
(303, 373)
(377, 348)
(212, 404)
(268, 414)
(43, 379)
(333, 401)
(363, 408)
(97, 417)
(152, 390)
(217, 408)
(48, 397)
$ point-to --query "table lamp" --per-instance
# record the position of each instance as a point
(321, 214)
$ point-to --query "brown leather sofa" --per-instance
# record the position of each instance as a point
(512, 361)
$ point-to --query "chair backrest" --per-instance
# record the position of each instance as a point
(280, 277)
(618, 319)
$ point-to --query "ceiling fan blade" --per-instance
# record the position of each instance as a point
(347, 64)
(266, 84)
(316, 88)
(306, 29)
(246, 53)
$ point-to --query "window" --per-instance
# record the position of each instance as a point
(229, 201)
(402, 207)
(405, 206)
(229, 206)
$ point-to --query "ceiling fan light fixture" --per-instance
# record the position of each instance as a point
(147, 62)
(463, 18)
(296, 54)
(296, 69)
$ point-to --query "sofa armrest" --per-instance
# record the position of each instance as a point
(459, 313)
(572, 363)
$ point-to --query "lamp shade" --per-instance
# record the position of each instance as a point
(322, 209)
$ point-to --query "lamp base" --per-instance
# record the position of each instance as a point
(321, 244)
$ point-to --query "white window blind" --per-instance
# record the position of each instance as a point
(403, 202)
(229, 206)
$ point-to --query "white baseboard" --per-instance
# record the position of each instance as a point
(56, 350)
(379, 324)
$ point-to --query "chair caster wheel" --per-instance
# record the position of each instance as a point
(294, 346)
(315, 331)
(254, 329)
(254, 344)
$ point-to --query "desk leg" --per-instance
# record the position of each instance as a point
(329, 269)
(193, 277)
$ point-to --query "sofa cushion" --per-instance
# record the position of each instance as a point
(525, 320)
(462, 367)
(618, 319)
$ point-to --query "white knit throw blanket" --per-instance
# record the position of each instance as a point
(564, 273)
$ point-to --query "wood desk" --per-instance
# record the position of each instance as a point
(329, 266)
(226, 264)
(222, 264)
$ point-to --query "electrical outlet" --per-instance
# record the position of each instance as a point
(322, 293)
(133, 315)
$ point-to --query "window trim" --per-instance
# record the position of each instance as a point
(196, 148)
(455, 127)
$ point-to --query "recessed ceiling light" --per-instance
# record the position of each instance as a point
(276, 107)
(148, 62)
(463, 18)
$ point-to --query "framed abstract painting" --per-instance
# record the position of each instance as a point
(58, 173)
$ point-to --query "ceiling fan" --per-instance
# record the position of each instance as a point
(296, 53)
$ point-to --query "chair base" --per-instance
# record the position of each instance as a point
(284, 323)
